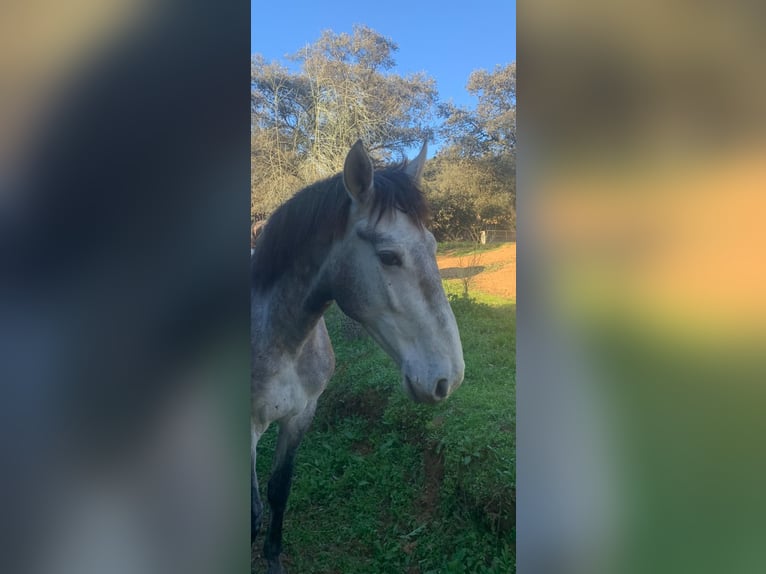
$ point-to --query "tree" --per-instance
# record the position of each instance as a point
(276, 96)
(472, 181)
(303, 122)
(490, 128)
(467, 195)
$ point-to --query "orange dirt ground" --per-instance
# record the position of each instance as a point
(499, 274)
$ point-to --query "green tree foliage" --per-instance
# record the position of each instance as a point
(468, 195)
(472, 181)
(490, 128)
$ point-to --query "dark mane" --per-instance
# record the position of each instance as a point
(316, 216)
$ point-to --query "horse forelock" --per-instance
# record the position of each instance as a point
(317, 216)
(394, 189)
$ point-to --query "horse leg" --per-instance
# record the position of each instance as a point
(290, 434)
(256, 506)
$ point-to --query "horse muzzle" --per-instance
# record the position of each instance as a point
(431, 388)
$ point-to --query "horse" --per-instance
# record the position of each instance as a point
(358, 239)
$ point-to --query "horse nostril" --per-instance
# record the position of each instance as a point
(441, 389)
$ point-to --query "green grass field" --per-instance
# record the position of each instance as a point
(383, 485)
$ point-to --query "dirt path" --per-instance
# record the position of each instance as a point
(497, 269)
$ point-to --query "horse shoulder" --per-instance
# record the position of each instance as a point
(316, 362)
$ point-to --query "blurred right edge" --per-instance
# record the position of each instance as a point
(640, 287)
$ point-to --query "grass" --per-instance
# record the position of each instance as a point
(383, 485)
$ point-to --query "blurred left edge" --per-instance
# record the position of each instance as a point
(124, 295)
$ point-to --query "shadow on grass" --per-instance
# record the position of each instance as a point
(460, 272)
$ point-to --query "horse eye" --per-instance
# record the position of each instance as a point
(389, 258)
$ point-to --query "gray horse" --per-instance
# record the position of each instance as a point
(357, 239)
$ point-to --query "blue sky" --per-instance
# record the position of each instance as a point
(447, 40)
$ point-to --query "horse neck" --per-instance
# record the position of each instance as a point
(297, 302)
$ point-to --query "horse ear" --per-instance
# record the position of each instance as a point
(415, 167)
(358, 172)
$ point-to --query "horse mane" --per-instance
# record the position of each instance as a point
(317, 216)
